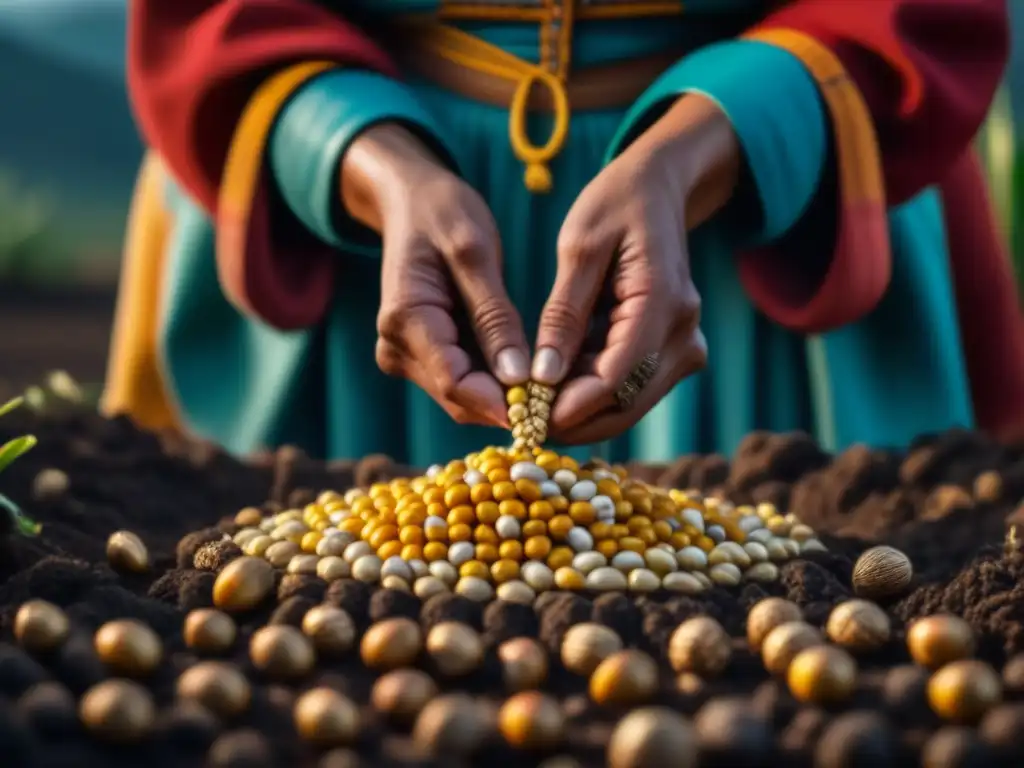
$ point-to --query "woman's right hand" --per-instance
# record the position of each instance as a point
(440, 246)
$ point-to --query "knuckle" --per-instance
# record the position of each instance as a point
(562, 318)
(575, 244)
(388, 359)
(392, 322)
(492, 319)
(468, 246)
(685, 307)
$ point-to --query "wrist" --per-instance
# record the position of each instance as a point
(378, 164)
(696, 142)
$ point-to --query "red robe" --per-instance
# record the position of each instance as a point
(926, 69)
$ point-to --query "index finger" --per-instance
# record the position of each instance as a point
(432, 340)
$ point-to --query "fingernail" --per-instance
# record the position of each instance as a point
(547, 366)
(511, 366)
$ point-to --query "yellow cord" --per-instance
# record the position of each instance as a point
(471, 52)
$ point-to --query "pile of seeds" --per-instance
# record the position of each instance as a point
(518, 522)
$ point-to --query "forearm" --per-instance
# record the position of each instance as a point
(373, 163)
(340, 143)
(710, 168)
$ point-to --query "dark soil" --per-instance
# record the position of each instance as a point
(946, 503)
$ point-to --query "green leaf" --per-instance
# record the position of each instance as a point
(23, 524)
(11, 405)
(12, 449)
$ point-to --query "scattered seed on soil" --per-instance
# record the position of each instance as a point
(730, 517)
(963, 691)
(40, 627)
(126, 552)
(882, 572)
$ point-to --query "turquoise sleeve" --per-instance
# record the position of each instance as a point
(312, 133)
(776, 110)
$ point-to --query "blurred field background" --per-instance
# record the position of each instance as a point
(69, 152)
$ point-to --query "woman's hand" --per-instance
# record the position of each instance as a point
(626, 236)
(441, 246)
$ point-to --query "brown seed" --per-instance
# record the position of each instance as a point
(451, 725)
(964, 690)
(220, 687)
(784, 642)
(128, 647)
(822, 674)
(935, 641)
(524, 664)
(250, 517)
(331, 629)
(391, 644)
(117, 711)
(281, 651)
(653, 738)
(243, 584)
(456, 648)
(766, 615)
(624, 678)
(859, 626)
(882, 572)
(403, 693)
(326, 718)
(586, 645)
(126, 552)
(208, 630)
(700, 645)
(533, 721)
(41, 627)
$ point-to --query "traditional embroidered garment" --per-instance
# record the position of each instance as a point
(867, 301)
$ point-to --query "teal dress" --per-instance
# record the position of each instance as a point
(894, 374)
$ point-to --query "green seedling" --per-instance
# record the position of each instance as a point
(9, 453)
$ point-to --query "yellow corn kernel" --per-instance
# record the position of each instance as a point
(569, 578)
(607, 547)
(560, 557)
(412, 552)
(456, 495)
(481, 492)
(434, 551)
(631, 544)
(411, 534)
(516, 395)
(511, 550)
(537, 547)
(486, 553)
(534, 528)
(528, 490)
(513, 508)
(559, 526)
(390, 549)
(487, 512)
(582, 512)
(504, 570)
(474, 568)
(541, 510)
(463, 513)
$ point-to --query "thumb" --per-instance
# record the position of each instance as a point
(475, 262)
(582, 267)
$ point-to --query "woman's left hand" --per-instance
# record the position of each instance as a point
(626, 235)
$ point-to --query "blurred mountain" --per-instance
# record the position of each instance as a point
(66, 130)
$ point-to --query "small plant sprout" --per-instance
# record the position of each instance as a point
(9, 453)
